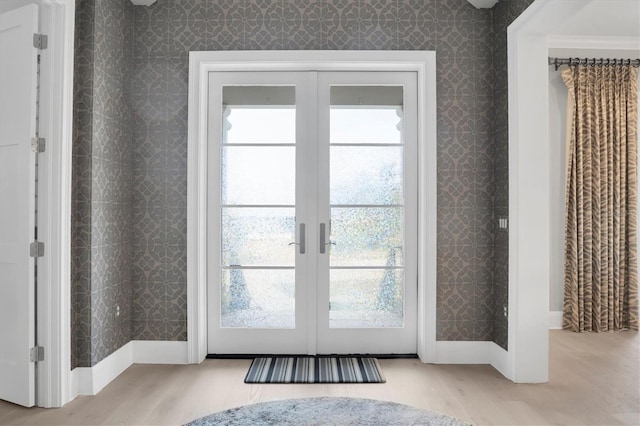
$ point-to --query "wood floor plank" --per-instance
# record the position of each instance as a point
(594, 380)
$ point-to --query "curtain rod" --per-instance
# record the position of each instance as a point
(557, 62)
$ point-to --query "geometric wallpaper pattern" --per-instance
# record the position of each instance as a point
(102, 180)
(464, 39)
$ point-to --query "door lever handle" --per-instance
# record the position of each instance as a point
(302, 243)
(323, 239)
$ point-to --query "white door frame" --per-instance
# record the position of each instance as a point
(201, 63)
(54, 192)
(54, 269)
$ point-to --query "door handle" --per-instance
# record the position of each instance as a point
(302, 243)
(323, 239)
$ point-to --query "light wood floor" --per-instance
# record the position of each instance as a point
(593, 380)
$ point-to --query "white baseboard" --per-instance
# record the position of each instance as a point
(555, 320)
(159, 352)
(463, 352)
(91, 380)
(474, 353)
(500, 361)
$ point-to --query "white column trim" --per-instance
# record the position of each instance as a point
(528, 205)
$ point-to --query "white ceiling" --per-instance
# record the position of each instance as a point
(591, 18)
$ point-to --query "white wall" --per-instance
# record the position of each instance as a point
(557, 163)
(557, 173)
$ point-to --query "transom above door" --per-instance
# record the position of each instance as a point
(312, 212)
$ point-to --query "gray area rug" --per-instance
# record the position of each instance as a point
(327, 411)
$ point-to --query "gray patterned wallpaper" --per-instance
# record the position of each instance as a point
(102, 181)
(468, 161)
(463, 39)
(504, 13)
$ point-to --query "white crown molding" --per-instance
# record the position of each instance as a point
(586, 42)
(483, 4)
(143, 2)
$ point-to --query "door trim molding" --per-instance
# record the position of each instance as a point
(57, 20)
(201, 63)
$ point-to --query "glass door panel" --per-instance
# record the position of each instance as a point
(258, 206)
(258, 298)
(258, 175)
(366, 298)
(367, 206)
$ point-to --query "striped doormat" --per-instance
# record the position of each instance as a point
(310, 369)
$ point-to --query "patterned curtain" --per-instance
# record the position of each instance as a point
(601, 282)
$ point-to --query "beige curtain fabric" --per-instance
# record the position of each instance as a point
(601, 283)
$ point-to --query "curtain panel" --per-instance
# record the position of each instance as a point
(601, 283)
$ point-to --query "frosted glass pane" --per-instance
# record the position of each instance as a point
(260, 125)
(366, 298)
(366, 175)
(258, 236)
(258, 175)
(257, 298)
(365, 125)
(367, 236)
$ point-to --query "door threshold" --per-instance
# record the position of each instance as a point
(252, 356)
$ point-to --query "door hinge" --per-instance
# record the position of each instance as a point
(40, 41)
(38, 144)
(36, 354)
(36, 249)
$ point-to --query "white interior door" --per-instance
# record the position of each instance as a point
(18, 77)
(312, 189)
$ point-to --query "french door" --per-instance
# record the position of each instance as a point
(312, 212)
